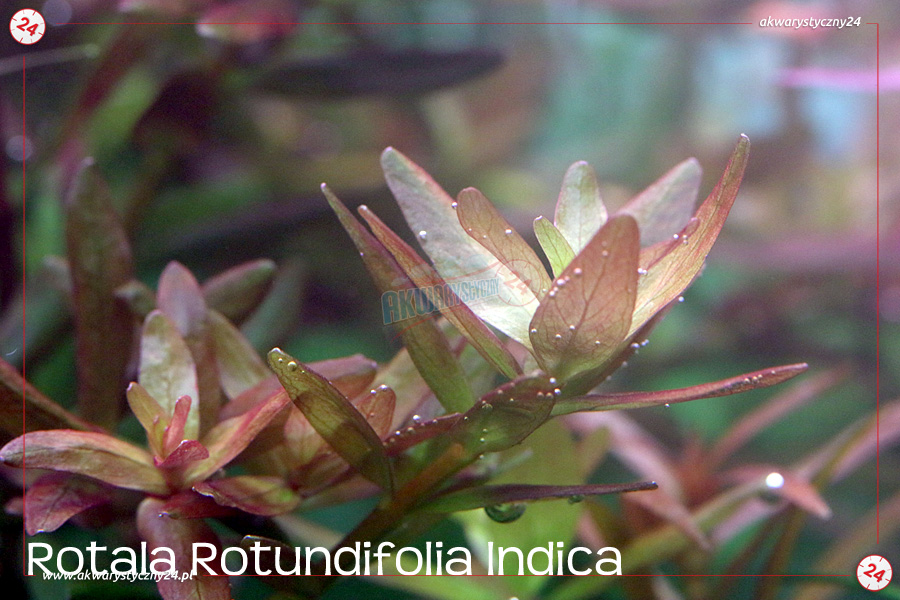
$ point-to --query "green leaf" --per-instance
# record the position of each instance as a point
(665, 207)
(334, 418)
(426, 343)
(580, 212)
(100, 262)
(180, 537)
(586, 314)
(674, 271)
(456, 256)
(257, 495)
(725, 387)
(555, 246)
(56, 497)
(484, 224)
(447, 301)
(237, 292)
(96, 455)
(492, 495)
(167, 369)
(149, 414)
(239, 367)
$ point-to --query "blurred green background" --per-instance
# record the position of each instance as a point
(214, 139)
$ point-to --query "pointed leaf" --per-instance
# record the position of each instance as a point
(139, 298)
(334, 418)
(493, 495)
(174, 432)
(179, 298)
(100, 261)
(580, 212)
(506, 416)
(185, 453)
(19, 399)
(586, 314)
(665, 207)
(675, 271)
(167, 368)
(150, 415)
(456, 256)
(56, 497)
(555, 246)
(725, 387)
(96, 455)
(446, 300)
(257, 495)
(417, 433)
(351, 375)
(484, 224)
(230, 437)
(237, 292)
(423, 339)
(377, 407)
(240, 368)
(179, 536)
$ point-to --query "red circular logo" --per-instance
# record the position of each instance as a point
(27, 26)
(874, 572)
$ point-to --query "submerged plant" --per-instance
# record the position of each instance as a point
(226, 437)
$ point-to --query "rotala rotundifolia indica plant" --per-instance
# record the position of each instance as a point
(494, 348)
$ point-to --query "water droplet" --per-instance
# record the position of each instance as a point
(484, 236)
(571, 328)
(453, 205)
(482, 440)
(423, 234)
(635, 346)
(552, 380)
(645, 342)
(597, 342)
(292, 366)
(561, 282)
(577, 272)
(552, 293)
(534, 330)
(774, 480)
(508, 231)
(558, 336)
(557, 391)
(416, 419)
(681, 298)
(575, 498)
(642, 271)
(505, 513)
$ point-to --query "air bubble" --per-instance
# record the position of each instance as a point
(508, 231)
(681, 298)
(534, 330)
(552, 293)
(505, 513)
(557, 391)
(558, 336)
(571, 328)
(774, 480)
(575, 498)
(577, 272)
(561, 282)
(642, 271)
(668, 405)
(423, 234)
(552, 380)
(487, 406)
(416, 419)
(635, 346)
(605, 253)
(597, 342)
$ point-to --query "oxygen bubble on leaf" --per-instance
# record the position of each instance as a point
(575, 499)
(508, 231)
(505, 513)
(774, 480)
(423, 234)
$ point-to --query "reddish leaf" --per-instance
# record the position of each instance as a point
(422, 338)
(237, 292)
(191, 505)
(580, 212)
(484, 224)
(407, 437)
(239, 367)
(334, 418)
(167, 369)
(725, 387)
(665, 207)
(100, 261)
(56, 497)
(174, 432)
(185, 453)
(229, 438)
(351, 375)
(586, 314)
(675, 271)
(457, 257)
(248, 21)
(377, 406)
(554, 244)
(96, 455)
(792, 487)
(457, 312)
(179, 536)
(257, 495)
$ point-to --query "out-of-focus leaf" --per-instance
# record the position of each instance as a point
(378, 71)
(56, 497)
(586, 314)
(257, 495)
(240, 368)
(422, 338)
(248, 21)
(150, 415)
(456, 256)
(794, 489)
(484, 224)
(237, 292)
(725, 387)
(669, 508)
(167, 369)
(17, 396)
(491, 495)
(580, 212)
(457, 312)
(334, 418)
(555, 246)
(230, 437)
(672, 273)
(279, 313)
(139, 298)
(96, 455)
(179, 297)
(100, 262)
(185, 453)
(506, 416)
(665, 207)
(179, 536)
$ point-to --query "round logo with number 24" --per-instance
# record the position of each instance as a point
(874, 572)
(27, 26)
